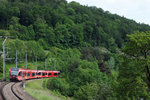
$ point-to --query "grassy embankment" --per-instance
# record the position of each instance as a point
(35, 89)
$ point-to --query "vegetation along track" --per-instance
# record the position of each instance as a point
(14, 91)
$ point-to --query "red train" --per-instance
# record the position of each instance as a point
(19, 74)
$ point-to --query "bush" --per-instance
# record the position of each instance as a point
(87, 92)
(4, 33)
(59, 85)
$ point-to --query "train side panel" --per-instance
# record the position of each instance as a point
(20, 74)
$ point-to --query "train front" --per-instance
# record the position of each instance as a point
(13, 74)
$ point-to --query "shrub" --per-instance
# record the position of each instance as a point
(87, 92)
(59, 85)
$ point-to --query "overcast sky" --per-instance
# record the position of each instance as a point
(138, 10)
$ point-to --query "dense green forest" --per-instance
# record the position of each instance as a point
(64, 25)
(101, 56)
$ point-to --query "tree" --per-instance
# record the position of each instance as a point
(134, 74)
(58, 84)
(62, 34)
(131, 81)
(138, 47)
(77, 35)
(87, 92)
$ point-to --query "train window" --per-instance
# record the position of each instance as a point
(49, 74)
(14, 71)
(33, 74)
(19, 73)
(43, 74)
(39, 73)
(28, 74)
(55, 73)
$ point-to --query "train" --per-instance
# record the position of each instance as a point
(19, 74)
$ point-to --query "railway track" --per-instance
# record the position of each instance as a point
(13, 91)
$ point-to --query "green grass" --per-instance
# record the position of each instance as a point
(34, 88)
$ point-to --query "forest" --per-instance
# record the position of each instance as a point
(101, 56)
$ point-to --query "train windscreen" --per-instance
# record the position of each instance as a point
(14, 71)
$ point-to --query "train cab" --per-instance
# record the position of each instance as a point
(13, 74)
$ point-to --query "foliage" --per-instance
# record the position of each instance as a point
(138, 44)
(32, 48)
(105, 91)
(87, 92)
(102, 55)
(65, 25)
(134, 75)
(131, 81)
(4, 33)
(78, 73)
(79, 41)
(59, 85)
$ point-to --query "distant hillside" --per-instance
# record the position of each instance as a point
(61, 24)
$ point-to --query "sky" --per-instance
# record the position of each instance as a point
(138, 10)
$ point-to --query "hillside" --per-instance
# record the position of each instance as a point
(101, 56)
(64, 25)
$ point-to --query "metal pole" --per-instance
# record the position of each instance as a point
(26, 61)
(4, 58)
(16, 59)
(36, 62)
(45, 64)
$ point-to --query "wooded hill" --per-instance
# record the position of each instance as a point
(64, 25)
(81, 41)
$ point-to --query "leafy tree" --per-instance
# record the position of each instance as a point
(58, 84)
(138, 46)
(132, 80)
(77, 35)
(87, 92)
(31, 33)
(105, 91)
(32, 48)
(99, 54)
(40, 27)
